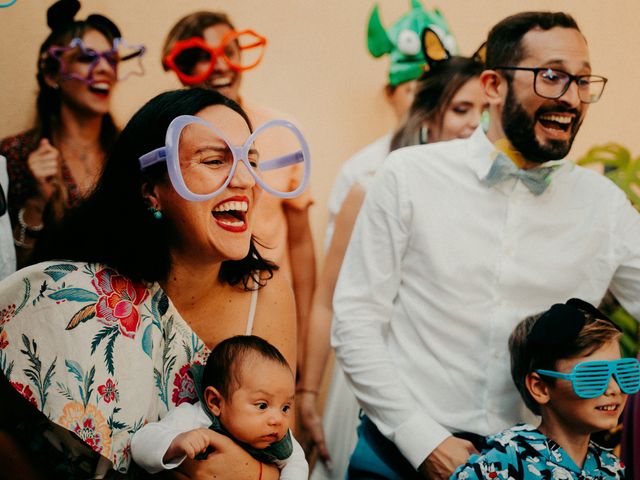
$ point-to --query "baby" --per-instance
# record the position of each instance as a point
(246, 392)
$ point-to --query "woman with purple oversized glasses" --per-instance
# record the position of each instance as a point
(55, 164)
(160, 265)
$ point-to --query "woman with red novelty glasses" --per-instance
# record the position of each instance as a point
(53, 165)
(204, 49)
(101, 343)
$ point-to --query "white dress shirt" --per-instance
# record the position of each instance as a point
(360, 165)
(151, 442)
(453, 266)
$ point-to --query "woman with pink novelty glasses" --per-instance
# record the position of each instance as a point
(54, 164)
(160, 266)
(204, 49)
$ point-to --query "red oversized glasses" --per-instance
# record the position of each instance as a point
(240, 51)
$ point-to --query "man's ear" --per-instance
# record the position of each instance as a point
(537, 388)
(494, 85)
(213, 399)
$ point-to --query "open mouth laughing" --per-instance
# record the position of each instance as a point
(556, 121)
(101, 88)
(231, 214)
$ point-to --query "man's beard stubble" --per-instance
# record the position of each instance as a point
(519, 128)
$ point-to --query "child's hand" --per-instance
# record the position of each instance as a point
(189, 443)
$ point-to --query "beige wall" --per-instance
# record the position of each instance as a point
(317, 67)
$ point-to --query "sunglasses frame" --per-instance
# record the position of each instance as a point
(169, 154)
(215, 52)
(57, 52)
(613, 367)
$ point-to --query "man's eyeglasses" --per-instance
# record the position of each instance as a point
(552, 83)
(591, 379)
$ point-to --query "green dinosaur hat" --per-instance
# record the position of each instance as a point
(402, 41)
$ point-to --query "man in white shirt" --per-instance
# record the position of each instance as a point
(458, 241)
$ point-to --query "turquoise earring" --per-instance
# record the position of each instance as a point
(157, 214)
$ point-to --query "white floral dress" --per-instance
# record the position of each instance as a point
(98, 354)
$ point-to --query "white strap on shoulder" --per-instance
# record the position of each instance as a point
(252, 311)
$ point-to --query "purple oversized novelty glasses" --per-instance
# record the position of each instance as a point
(121, 52)
(201, 161)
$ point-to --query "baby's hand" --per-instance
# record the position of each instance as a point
(189, 443)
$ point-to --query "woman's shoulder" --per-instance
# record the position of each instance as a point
(276, 289)
(276, 315)
(95, 351)
(17, 144)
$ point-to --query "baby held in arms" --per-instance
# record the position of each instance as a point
(246, 392)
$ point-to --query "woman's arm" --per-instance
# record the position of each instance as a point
(303, 270)
(275, 319)
(317, 349)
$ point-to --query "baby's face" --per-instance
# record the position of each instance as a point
(587, 415)
(259, 410)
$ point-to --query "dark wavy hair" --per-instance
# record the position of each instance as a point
(434, 92)
(113, 225)
(64, 28)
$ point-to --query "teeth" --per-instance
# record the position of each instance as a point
(607, 408)
(231, 223)
(101, 86)
(556, 118)
(221, 82)
(228, 206)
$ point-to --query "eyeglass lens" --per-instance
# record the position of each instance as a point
(592, 378)
(206, 160)
(552, 83)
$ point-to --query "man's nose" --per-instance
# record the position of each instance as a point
(571, 96)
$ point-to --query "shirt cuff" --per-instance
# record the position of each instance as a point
(418, 437)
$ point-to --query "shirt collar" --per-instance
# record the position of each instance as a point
(551, 451)
(481, 154)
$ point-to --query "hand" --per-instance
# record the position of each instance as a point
(448, 456)
(188, 443)
(227, 461)
(311, 423)
(43, 163)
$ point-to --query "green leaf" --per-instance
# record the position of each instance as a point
(74, 295)
(56, 272)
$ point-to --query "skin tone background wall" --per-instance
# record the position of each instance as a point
(317, 68)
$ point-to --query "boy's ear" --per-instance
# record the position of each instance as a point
(537, 388)
(213, 399)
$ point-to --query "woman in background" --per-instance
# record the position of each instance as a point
(204, 49)
(56, 163)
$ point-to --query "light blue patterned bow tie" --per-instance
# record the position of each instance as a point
(536, 179)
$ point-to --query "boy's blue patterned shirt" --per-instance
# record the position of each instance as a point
(523, 452)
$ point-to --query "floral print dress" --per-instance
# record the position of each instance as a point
(523, 452)
(97, 354)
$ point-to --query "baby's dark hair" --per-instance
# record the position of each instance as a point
(224, 366)
(562, 332)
